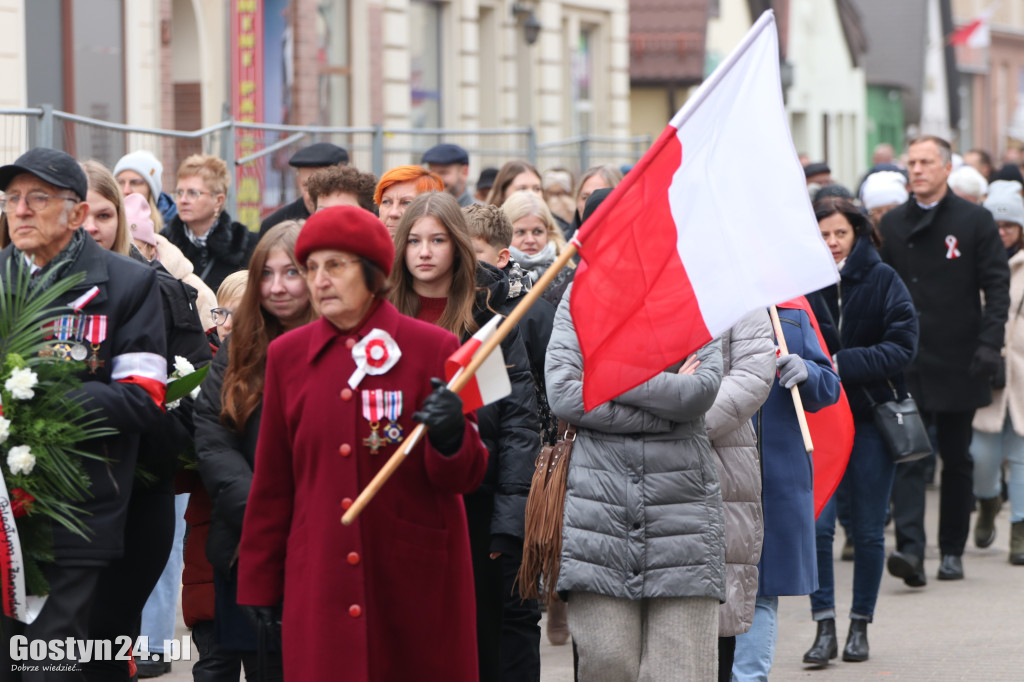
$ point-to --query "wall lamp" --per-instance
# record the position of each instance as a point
(531, 25)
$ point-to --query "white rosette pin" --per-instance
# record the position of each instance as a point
(375, 354)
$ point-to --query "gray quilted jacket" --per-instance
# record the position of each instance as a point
(643, 510)
(748, 356)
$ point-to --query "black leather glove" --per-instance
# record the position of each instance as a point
(267, 617)
(986, 361)
(442, 414)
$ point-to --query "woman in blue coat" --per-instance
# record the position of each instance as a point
(878, 333)
(788, 564)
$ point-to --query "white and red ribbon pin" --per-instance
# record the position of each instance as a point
(375, 354)
(951, 250)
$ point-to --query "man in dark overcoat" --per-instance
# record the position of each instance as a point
(949, 254)
(123, 381)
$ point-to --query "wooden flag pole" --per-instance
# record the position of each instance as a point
(459, 382)
(801, 417)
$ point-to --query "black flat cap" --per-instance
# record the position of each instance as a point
(318, 155)
(486, 180)
(445, 154)
(816, 168)
(49, 165)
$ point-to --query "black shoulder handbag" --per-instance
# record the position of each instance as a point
(901, 427)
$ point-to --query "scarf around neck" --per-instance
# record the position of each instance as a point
(58, 265)
(536, 264)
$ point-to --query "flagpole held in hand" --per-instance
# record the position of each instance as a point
(460, 380)
(801, 417)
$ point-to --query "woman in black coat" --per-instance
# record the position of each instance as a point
(877, 326)
(227, 422)
(438, 279)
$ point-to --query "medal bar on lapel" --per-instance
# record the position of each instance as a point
(373, 410)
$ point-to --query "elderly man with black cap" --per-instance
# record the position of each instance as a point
(124, 372)
(306, 161)
(451, 162)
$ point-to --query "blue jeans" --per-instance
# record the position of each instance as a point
(866, 486)
(755, 648)
(988, 450)
(161, 611)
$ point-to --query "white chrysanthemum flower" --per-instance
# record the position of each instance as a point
(5, 429)
(182, 366)
(21, 382)
(20, 460)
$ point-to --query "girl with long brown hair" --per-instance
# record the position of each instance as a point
(436, 278)
(516, 175)
(105, 222)
(227, 416)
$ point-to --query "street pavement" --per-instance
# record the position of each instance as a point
(970, 630)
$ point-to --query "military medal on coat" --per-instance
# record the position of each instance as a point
(74, 329)
(95, 334)
(377, 405)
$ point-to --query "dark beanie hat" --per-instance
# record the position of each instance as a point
(347, 228)
(1010, 171)
(834, 190)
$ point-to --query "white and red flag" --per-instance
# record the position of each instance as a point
(713, 222)
(975, 33)
(491, 382)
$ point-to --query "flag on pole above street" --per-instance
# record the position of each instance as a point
(975, 33)
(713, 222)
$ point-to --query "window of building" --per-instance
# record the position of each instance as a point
(425, 41)
(75, 62)
(335, 67)
(582, 81)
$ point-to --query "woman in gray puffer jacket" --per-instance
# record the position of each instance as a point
(748, 358)
(643, 548)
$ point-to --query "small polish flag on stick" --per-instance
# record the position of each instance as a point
(490, 383)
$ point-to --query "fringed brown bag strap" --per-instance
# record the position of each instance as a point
(542, 542)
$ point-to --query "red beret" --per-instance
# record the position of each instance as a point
(347, 228)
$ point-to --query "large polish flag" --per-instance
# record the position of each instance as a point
(713, 222)
(490, 383)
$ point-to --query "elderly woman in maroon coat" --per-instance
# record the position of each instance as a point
(389, 598)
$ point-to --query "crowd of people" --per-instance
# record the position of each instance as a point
(689, 502)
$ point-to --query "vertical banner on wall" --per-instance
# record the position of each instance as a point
(247, 104)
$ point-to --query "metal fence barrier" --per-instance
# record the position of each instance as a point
(259, 152)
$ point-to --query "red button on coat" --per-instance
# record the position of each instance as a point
(355, 610)
(346, 394)
(349, 343)
(353, 558)
(345, 449)
(346, 503)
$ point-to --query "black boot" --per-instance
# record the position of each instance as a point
(825, 646)
(1017, 543)
(856, 642)
(985, 526)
